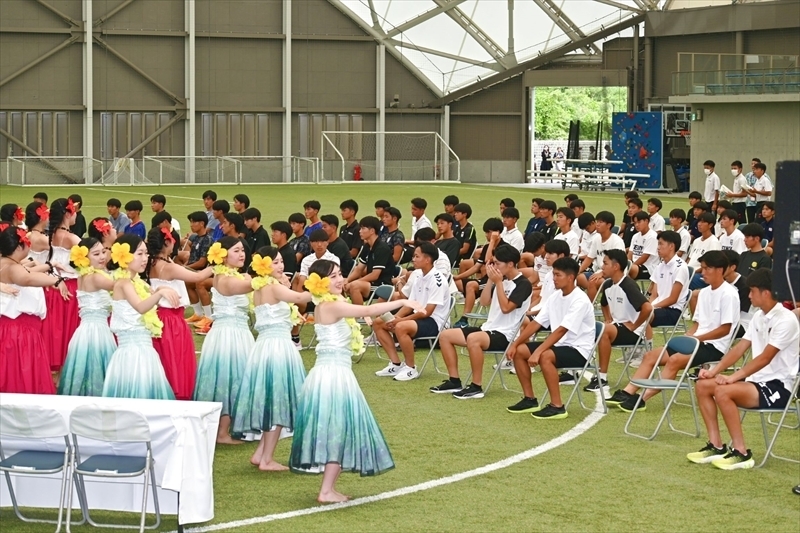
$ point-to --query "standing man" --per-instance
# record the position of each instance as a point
(711, 191)
(762, 190)
(740, 191)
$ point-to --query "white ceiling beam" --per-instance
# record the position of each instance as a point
(416, 21)
(492, 65)
(569, 28)
(618, 5)
(479, 35)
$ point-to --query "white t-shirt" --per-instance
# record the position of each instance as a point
(701, 246)
(734, 241)
(763, 184)
(599, 247)
(513, 237)
(176, 225)
(541, 267)
(585, 243)
(780, 329)
(657, 222)
(739, 184)
(312, 258)
(645, 244)
(712, 185)
(576, 228)
(686, 239)
(442, 264)
(624, 300)
(546, 290)
(574, 312)
(431, 288)
(419, 223)
(718, 231)
(715, 308)
(572, 241)
(518, 291)
(667, 275)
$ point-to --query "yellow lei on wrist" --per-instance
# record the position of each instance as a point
(152, 323)
(320, 292)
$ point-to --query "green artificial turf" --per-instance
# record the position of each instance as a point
(602, 480)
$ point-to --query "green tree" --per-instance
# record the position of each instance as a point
(557, 106)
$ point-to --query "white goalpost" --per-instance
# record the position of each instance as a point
(387, 156)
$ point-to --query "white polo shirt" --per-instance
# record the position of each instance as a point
(442, 264)
(585, 243)
(599, 247)
(574, 312)
(734, 241)
(571, 239)
(657, 222)
(518, 291)
(739, 184)
(541, 267)
(312, 258)
(712, 185)
(645, 244)
(419, 223)
(513, 237)
(431, 288)
(665, 277)
(699, 248)
(686, 239)
(624, 300)
(780, 329)
(546, 290)
(715, 308)
(763, 184)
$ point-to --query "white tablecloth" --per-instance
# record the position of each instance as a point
(183, 436)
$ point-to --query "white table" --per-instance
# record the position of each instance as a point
(183, 436)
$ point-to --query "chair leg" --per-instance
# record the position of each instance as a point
(155, 496)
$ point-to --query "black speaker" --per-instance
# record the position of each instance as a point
(787, 215)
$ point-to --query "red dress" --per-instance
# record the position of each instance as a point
(175, 347)
(62, 315)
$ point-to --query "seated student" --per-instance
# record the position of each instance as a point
(564, 218)
(406, 279)
(669, 283)
(717, 313)
(119, 220)
(587, 226)
(532, 263)
(209, 197)
(218, 211)
(706, 243)
(657, 222)
(319, 250)
(768, 223)
(311, 210)
(536, 222)
(134, 209)
(336, 245)
(722, 206)
(40, 197)
(300, 244)
(450, 202)
(507, 307)
(241, 203)
(465, 233)
(199, 242)
(634, 206)
(158, 203)
(511, 234)
(350, 227)
(418, 221)
(408, 324)
(677, 217)
(643, 252)
(553, 251)
(79, 227)
(447, 242)
(626, 218)
(505, 203)
(625, 312)
(764, 382)
(731, 238)
(570, 314)
(571, 197)
(602, 241)
(375, 265)
(281, 231)
(754, 257)
(691, 215)
(257, 236)
(380, 208)
(578, 207)
(740, 284)
(472, 287)
(391, 233)
(547, 211)
(163, 220)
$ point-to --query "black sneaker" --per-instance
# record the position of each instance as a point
(796, 490)
(566, 378)
(596, 385)
(551, 412)
(629, 404)
(470, 392)
(525, 405)
(618, 397)
(448, 386)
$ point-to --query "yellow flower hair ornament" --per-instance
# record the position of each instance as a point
(217, 254)
(261, 265)
(319, 288)
(79, 256)
(121, 254)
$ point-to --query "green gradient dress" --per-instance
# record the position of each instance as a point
(334, 423)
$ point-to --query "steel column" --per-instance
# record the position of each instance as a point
(380, 103)
(88, 93)
(190, 131)
(635, 69)
(287, 91)
(648, 71)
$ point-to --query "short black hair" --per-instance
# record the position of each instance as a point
(737, 164)
(548, 205)
(757, 160)
(221, 205)
(631, 194)
(40, 196)
(237, 221)
(571, 197)
(761, 279)
(318, 235)
(715, 259)
(618, 256)
(656, 202)
(113, 202)
(331, 220)
(567, 212)
(505, 253)
(585, 220)
(511, 212)
(133, 205)
(76, 198)
(606, 216)
(242, 199)
(701, 205)
(450, 199)
(251, 213)
(636, 201)
(492, 224)
(640, 215)
(558, 247)
(159, 199)
(577, 203)
(770, 205)
(671, 237)
(678, 213)
(754, 229)
(730, 213)
(733, 258)
(537, 201)
(725, 204)
(394, 212)
(508, 202)
(372, 223)
(210, 194)
(709, 163)
(567, 265)
(382, 204)
(760, 166)
(419, 203)
(297, 218)
(424, 235)
(534, 241)
(161, 217)
(313, 204)
(429, 249)
(350, 204)
(707, 217)
(198, 216)
(282, 226)
(695, 195)
(463, 208)
(447, 217)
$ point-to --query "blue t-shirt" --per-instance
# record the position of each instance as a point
(137, 229)
(768, 229)
(311, 228)
(534, 224)
(217, 234)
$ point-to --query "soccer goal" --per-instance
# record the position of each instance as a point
(41, 171)
(390, 156)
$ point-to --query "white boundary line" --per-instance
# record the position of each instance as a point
(582, 427)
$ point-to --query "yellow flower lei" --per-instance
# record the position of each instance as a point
(259, 282)
(320, 292)
(150, 318)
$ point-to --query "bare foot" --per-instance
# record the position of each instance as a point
(228, 440)
(331, 497)
(272, 466)
(255, 460)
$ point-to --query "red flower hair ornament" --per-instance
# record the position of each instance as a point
(167, 235)
(43, 212)
(19, 214)
(103, 226)
(70, 206)
(23, 237)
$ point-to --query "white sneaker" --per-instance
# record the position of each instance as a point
(505, 365)
(636, 360)
(407, 374)
(391, 370)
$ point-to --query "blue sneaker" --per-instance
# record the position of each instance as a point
(461, 323)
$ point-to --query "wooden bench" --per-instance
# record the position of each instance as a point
(589, 180)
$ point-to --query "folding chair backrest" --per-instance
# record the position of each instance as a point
(684, 345)
(599, 328)
(384, 292)
(110, 425)
(691, 271)
(31, 422)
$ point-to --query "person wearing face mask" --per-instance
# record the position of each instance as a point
(740, 191)
(711, 192)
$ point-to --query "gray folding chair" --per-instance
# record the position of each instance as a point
(669, 331)
(499, 358)
(579, 371)
(629, 350)
(765, 414)
(112, 426)
(381, 292)
(35, 423)
(432, 341)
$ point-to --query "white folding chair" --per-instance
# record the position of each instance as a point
(579, 371)
(112, 426)
(31, 423)
(765, 414)
(433, 341)
(499, 358)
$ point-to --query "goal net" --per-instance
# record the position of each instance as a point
(407, 156)
(32, 170)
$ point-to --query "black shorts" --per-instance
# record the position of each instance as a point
(566, 356)
(625, 337)
(665, 316)
(643, 273)
(772, 394)
(497, 341)
(706, 353)
(426, 327)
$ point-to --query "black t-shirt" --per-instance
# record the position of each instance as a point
(450, 247)
(340, 250)
(257, 239)
(177, 246)
(378, 257)
(79, 228)
(627, 235)
(744, 293)
(393, 238)
(466, 234)
(752, 261)
(626, 219)
(550, 231)
(248, 256)
(289, 260)
(349, 234)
